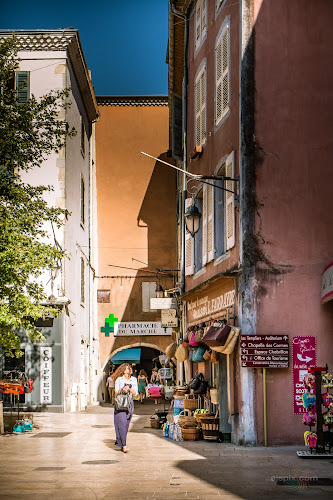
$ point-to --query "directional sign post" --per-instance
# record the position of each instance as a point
(264, 351)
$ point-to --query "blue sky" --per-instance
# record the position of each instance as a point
(124, 42)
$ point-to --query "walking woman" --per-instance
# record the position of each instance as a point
(124, 383)
(142, 384)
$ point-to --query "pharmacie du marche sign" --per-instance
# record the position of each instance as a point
(264, 351)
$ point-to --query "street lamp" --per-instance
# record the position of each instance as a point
(159, 292)
(192, 219)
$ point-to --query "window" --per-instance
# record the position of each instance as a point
(218, 5)
(148, 292)
(103, 296)
(216, 234)
(22, 85)
(82, 281)
(222, 86)
(83, 135)
(200, 23)
(200, 107)
(82, 210)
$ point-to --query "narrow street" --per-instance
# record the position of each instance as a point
(73, 456)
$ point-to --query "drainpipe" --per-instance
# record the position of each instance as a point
(185, 17)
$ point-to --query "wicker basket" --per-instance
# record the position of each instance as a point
(191, 433)
(199, 416)
(154, 423)
(210, 427)
(214, 396)
(186, 418)
(191, 404)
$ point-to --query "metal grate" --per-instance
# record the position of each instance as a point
(100, 462)
(51, 434)
(49, 468)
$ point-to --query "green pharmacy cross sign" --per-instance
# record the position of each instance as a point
(109, 325)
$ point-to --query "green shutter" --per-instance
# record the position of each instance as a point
(23, 85)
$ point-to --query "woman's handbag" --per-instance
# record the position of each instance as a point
(192, 340)
(194, 383)
(198, 353)
(201, 388)
(122, 402)
(216, 336)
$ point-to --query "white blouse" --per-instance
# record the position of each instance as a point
(121, 382)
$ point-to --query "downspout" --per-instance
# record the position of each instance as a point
(185, 17)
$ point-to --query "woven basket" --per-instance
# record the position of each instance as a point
(199, 416)
(214, 396)
(210, 427)
(190, 434)
(154, 423)
(170, 350)
(191, 404)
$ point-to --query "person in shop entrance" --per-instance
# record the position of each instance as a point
(126, 383)
(142, 385)
(110, 386)
(155, 379)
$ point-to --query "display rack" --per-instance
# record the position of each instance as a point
(324, 443)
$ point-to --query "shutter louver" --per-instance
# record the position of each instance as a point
(197, 112)
(225, 71)
(230, 201)
(203, 106)
(198, 24)
(203, 18)
(222, 96)
(189, 247)
(23, 86)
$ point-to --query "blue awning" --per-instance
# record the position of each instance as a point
(131, 355)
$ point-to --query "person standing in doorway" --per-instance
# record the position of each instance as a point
(142, 384)
(110, 385)
(127, 384)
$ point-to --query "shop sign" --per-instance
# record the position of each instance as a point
(169, 318)
(200, 307)
(327, 284)
(137, 328)
(264, 351)
(163, 303)
(45, 375)
(304, 354)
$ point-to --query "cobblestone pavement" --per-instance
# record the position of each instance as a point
(81, 461)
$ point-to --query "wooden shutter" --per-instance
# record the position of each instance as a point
(197, 111)
(210, 223)
(148, 292)
(197, 24)
(203, 106)
(218, 82)
(204, 225)
(23, 85)
(230, 201)
(225, 70)
(189, 246)
(177, 127)
(203, 19)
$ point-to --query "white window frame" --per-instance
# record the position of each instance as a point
(200, 22)
(230, 202)
(82, 281)
(148, 292)
(200, 106)
(218, 5)
(189, 246)
(222, 73)
(82, 201)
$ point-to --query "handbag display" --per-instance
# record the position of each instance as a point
(122, 402)
(195, 381)
(198, 355)
(192, 341)
(202, 387)
(216, 336)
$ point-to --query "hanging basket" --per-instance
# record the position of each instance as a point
(191, 404)
(181, 354)
(214, 396)
(170, 350)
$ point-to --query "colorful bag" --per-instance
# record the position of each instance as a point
(155, 391)
(192, 340)
(198, 353)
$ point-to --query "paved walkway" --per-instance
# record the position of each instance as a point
(81, 462)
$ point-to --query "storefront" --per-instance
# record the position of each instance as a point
(212, 305)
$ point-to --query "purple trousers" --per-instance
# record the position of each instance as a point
(122, 421)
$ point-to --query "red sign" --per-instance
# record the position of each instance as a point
(304, 354)
(264, 351)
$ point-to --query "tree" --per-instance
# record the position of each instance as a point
(29, 132)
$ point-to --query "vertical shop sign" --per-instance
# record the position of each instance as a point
(46, 375)
(304, 354)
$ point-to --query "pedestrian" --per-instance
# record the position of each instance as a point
(142, 384)
(110, 386)
(155, 379)
(124, 383)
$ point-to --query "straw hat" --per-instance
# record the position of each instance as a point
(170, 350)
(181, 353)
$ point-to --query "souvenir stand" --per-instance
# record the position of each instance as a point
(14, 383)
(319, 413)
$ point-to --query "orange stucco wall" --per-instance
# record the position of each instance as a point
(136, 214)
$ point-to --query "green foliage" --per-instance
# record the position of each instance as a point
(29, 132)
